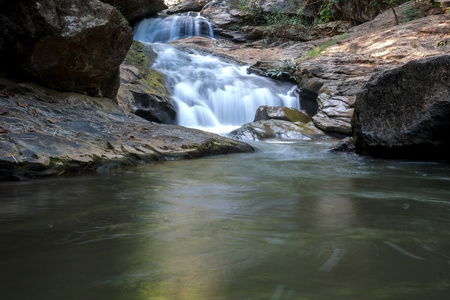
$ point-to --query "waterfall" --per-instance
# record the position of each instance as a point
(163, 30)
(210, 94)
(215, 95)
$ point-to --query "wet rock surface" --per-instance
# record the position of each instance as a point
(405, 112)
(44, 132)
(277, 129)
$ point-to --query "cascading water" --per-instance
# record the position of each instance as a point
(210, 93)
(215, 94)
(163, 30)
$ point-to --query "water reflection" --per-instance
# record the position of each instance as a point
(288, 222)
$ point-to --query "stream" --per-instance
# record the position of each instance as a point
(290, 221)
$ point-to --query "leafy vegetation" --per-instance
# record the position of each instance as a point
(286, 69)
(443, 43)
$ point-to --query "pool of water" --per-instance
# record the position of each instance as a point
(290, 221)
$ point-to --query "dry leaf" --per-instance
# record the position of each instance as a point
(35, 130)
(34, 112)
(50, 121)
(5, 94)
(24, 105)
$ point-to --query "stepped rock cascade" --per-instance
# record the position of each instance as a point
(209, 93)
(163, 30)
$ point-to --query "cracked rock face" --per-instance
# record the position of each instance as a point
(74, 46)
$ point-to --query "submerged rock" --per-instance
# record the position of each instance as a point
(74, 46)
(277, 129)
(44, 132)
(405, 112)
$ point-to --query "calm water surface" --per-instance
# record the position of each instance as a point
(291, 221)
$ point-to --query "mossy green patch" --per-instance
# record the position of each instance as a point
(152, 82)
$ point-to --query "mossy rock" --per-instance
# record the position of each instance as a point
(140, 55)
(266, 112)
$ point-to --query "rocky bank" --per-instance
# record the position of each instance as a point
(59, 77)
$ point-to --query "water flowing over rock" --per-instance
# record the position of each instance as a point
(163, 30)
(405, 112)
(134, 10)
(67, 45)
(212, 93)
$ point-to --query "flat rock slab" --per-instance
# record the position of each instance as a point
(44, 132)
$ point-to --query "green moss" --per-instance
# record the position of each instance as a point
(136, 56)
(152, 81)
(140, 56)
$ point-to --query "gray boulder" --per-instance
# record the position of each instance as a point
(405, 112)
(74, 46)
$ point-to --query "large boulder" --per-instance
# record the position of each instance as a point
(405, 112)
(73, 45)
(134, 10)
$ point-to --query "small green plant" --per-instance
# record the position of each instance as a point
(285, 70)
(317, 51)
(443, 43)
(326, 11)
